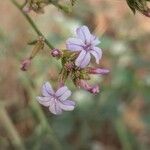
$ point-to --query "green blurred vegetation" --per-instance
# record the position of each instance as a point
(116, 119)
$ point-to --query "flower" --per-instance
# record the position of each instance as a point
(86, 44)
(56, 101)
(25, 64)
(92, 89)
(97, 71)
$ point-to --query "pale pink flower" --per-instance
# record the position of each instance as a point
(86, 44)
(56, 101)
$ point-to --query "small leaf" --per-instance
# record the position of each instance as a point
(73, 2)
(139, 5)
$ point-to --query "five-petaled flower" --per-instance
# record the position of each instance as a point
(56, 101)
(86, 44)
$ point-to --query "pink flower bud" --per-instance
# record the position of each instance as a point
(26, 9)
(56, 53)
(25, 64)
(92, 89)
(147, 13)
(95, 89)
(98, 71)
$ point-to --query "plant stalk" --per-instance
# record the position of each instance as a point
(31, 22)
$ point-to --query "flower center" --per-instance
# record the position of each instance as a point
(54, 99)
(87, 47)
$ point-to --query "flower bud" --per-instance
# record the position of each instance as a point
(95, 89)
(147, 12)
(56, 53)
(25, 64)
(92, 89)
(97, 71)
(26, 9)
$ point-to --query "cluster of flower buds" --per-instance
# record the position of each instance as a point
(35, 5)
(38, 5)
(75, 65)
(139, 5)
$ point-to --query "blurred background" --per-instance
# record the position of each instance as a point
(118, 118)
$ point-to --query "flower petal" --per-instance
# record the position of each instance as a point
(84, 34)
(74, 44)
(61, 91)
(54, 108)
(94, 40)
(65, 95)
(47, 89)
(80, 58)
(97, 53)
(103, 71)
(83, 59)
(45, 101)
(86, 60)
(67, 105)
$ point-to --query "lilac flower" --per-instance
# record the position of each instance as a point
(56, 101)
(86, 44)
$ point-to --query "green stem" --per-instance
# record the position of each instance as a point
(123, 135)
(37, 111)
(10, 129)
(61, 7)
(32, 24)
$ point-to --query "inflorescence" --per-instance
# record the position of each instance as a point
(75, 65)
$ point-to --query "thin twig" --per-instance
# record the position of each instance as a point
(32, 24)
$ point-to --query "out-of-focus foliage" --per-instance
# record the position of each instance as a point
(139, 5)
(116, 119)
